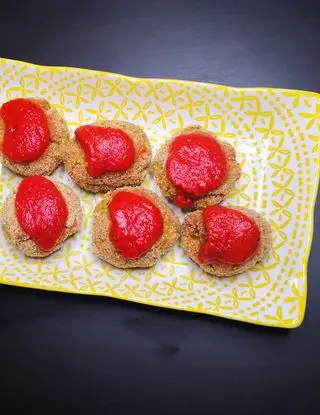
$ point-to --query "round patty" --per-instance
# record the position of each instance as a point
(23, 241)
(53, 155)
(76, 165)
(194, 235)
(213, 197)
(103, 246)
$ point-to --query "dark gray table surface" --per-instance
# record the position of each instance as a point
(78, 354)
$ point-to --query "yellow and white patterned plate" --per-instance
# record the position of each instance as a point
(276, 133)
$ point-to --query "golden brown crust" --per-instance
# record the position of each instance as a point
(76, 165)
(103, 247)
(212, 198)
(23, 241)
(52, 157)
(194, 234)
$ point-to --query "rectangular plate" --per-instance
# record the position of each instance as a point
(276, 134)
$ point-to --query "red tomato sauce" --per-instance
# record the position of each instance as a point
(136, 224)
(232, 237)
(41, 211)
(196, 165)
(106, 149)
(26, 135)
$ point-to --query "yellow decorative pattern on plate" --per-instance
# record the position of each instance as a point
(276, 133)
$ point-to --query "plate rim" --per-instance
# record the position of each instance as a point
(174, 80)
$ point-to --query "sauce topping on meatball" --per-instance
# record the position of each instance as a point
(196, 165)
(26, 134)
(107, 149)
(232, 237)
(136, 224)
(41, 211)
